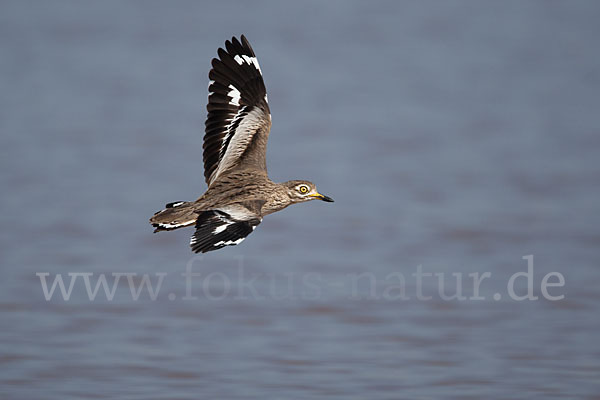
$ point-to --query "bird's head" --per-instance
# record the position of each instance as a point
(300, 191)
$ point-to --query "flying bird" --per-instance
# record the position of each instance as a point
(237, 128)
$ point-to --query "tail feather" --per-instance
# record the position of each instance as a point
(176, 215)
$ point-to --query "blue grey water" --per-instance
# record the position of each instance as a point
(457, 137)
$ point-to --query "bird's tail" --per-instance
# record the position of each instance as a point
(175, 215)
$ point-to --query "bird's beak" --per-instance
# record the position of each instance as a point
(322, 197)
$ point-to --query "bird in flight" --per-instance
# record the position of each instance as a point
(239, 192)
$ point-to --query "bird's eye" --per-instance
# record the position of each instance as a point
(303, 189)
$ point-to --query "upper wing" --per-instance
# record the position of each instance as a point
(225, 226)
(239, 120)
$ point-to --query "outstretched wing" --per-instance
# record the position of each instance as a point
(239, 120)
(225, 226)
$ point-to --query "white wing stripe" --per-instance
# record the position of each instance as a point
(235, 95)
(221, 228)
(249, 60)
(229, 242)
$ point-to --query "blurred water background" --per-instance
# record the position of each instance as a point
(459, 136)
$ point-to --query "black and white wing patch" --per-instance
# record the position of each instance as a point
(227, 226)
(238, 112)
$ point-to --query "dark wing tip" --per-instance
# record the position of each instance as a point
(247, 45)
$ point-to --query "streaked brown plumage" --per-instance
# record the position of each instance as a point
(239, 191)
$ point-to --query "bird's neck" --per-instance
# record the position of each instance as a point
(278, 199)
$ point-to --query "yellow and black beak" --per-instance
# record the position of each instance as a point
(322, 197)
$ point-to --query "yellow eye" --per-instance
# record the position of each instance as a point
(303, 189)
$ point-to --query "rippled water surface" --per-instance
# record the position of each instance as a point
(456, 138)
